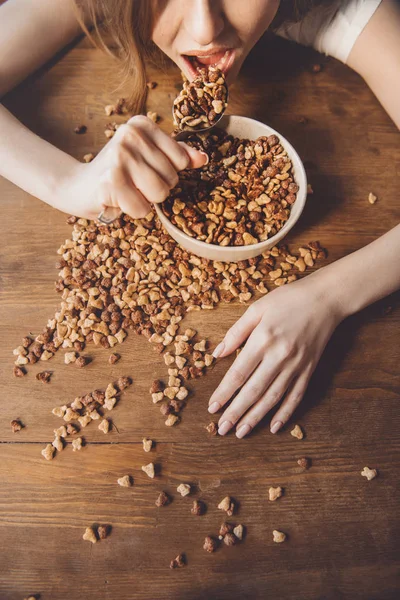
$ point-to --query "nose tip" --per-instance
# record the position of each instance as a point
(205, 23)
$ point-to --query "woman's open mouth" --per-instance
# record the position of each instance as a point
(222, 59)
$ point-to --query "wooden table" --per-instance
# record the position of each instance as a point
(341, 529)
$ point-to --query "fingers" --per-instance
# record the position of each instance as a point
(239, 332)
(197, 158)
(268, 400)
(250, 393)
(237, 375)
(117, 190)
(293, 398)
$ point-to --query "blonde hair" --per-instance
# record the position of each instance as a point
(129, 24)
(123, 29)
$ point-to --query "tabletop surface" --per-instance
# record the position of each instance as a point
(342, 530)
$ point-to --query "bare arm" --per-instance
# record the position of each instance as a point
(376, 56)
(285, 344)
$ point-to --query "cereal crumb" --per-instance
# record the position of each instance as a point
(184, 489)
(317, 68)
(230, 539)
(212, 428)
(103, 531)
(70, 357)
(210, 544)
(77, 444)
(297, 432)
(304, 462)
(82, 361)
(19, 371)
(179, 561)
(278, 536)
(16, 425)
(198, 508)
(125, 481)
(153, 116)
(151, 85)
(310, 190)
(114, 358)
(147, 444)
(149, 470)
(275, 493)
(163, 499)
(228, 505)
(372, 198)
(44, 376)
(87, 158)
(48, 452)
(369, 473)
(239, 531)
(57, 443)
(104, 426)
(89, 535)
(172, 420)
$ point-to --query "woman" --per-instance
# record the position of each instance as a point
(141, 163)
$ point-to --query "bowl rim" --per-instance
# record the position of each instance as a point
(300, 200)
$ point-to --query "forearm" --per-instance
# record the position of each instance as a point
(30, 162)
(361, 278)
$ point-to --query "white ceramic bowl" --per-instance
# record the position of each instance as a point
(243, 127)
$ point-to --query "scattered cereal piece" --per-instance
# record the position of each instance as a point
(156, 387)
(275, 493)
(317, 68)
(183, 489)
(85, 420)
(80, 129)
(114, 358)
(109, 403)
(198, 508)
(104, 426)
(369, 473)
(103, 531)
(19, 371)
(111, 391)
(372, 198)
(178, 562)
(87, 158)
(70, 357)
(61, 432)
(297, 432)
(278, 536)
(149, 470)
(210, 544)
(82, 361)
(77, 444)
(224, 529)
(89, 535)
(172, 420)
(153, 116)
(48, 452)
(58, 443)
(212, 428)
(151, 85)
(310, 190)
(16, 425)
(71, 429)
(239, 531)
(163, 499)
(230, 539)
(71, 415)
(59, 411)
(147, 444)
(125, 481)
(228, 505)
(304, 462)
(44, 376)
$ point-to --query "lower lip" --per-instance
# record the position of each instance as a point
(223, 63)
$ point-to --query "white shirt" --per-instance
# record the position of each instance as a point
(332, 30)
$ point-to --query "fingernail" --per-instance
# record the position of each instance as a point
(207, 157)
(213, 408)
(219, 350)
(225, 427)
(243, 430)
(276, 426)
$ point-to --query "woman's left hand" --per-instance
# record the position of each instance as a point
(287, 332)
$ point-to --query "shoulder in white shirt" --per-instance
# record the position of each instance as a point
(333, 29)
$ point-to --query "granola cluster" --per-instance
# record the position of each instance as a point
(202, 101)
(243, 196)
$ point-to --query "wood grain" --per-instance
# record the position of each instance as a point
(342, 530)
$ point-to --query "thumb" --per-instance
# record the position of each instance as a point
(198, 158)
(239, 332)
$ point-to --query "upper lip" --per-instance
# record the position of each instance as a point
(205, 52)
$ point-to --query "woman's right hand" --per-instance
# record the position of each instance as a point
(138, 167)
